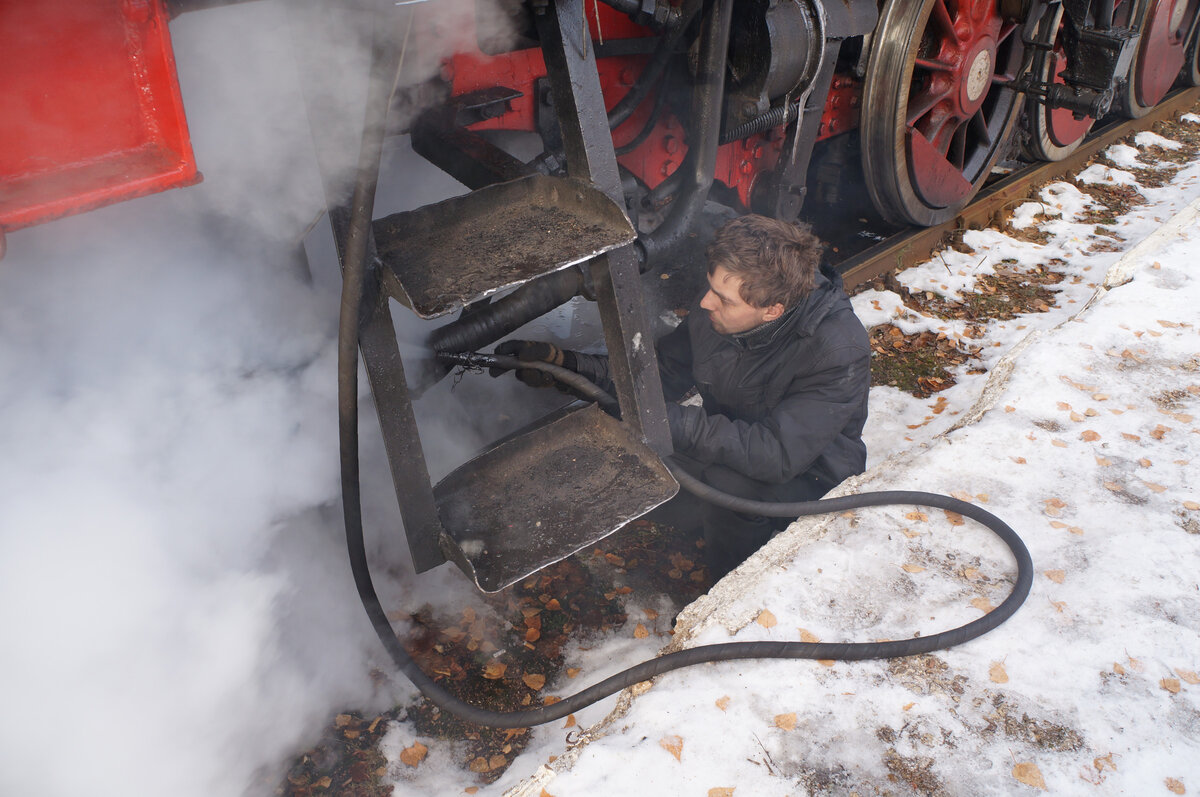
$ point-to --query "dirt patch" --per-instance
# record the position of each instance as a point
(346, 761)
(918, 364)
(1115, 201)
(914, 771)
(1043, 734)
(927, 675)
(1171, 400)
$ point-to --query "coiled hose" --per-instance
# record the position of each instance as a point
(386, 66)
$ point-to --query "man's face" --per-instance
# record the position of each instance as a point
(727, 310)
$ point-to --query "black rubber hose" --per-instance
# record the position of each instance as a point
(581, 385)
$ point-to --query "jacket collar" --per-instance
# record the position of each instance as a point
(801, 320)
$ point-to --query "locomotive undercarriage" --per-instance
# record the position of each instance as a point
(636, 132)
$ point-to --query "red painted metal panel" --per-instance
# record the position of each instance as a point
(90, 112)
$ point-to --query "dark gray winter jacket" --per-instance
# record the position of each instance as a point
(779, 401)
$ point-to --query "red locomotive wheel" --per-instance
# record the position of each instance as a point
(938, 105)
(1056, 133)
(1161, 54)
(1190, 74)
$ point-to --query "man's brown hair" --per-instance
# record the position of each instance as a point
(777, 261)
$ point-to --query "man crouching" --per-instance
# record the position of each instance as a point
(782, 366)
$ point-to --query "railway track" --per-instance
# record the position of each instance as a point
(916, 244)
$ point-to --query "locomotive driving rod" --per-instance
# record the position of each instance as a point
(385, 69)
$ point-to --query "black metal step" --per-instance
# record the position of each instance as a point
(443, 256)
(541, 496)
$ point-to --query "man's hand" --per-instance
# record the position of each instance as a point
(535, 351)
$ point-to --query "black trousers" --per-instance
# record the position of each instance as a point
(731, 537)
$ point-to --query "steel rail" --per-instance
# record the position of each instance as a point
(917, 244)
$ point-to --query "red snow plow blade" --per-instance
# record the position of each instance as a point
(90, 112)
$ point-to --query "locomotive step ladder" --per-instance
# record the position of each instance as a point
(572, 479)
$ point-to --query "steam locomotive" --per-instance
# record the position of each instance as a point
(643, 112)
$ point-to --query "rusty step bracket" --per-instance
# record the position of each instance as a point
(441, 257)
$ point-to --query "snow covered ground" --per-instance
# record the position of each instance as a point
(1082, 435)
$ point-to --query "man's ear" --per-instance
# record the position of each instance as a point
(772, 312)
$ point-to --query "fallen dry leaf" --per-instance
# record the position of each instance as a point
(907, 706)
(534, 681)
(766, 619)
(723, 702)
(494, 670)
(954, 518)
(910, 533)
(1104, 762)
(982, 604)
(1132, 437)
(808, 636)
(1158, 488)
(913, 568)
(918, 516)
(1174, 786)
(673, 745)
(1030, 775)
(1019, 460)
(1192, 505)
(1159, 430)
(1058, 443)
(1189, 676)
(721, 791)
(1088, 436)
(1171, 685)
(1118, 669)
(786, 722)
(1075, 416)
(640, 632)
(961, 495)
(570, 723)
(1103, 462)
(411, 756)
(572, 672)
(479, 765)
(1057, 576)
(1053, 506)
(997, 673)
(1116, 488)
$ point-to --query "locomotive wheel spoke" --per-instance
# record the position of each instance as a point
(943, 106)
(941, 15)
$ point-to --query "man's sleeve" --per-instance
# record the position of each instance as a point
(675, 362)
(783, 445)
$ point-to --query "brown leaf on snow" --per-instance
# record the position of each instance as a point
(1171, 685)
(1058, 443)
(494, 670)
(1129, 436)
(1018, 460)
(1062, 405)
(1103, 462)
(997, 673)
(640, 632)
(808, 636)
(766, 619)
(1088, 436)
(1174, 786)
(962, 495)
(1104, 762)
(1053, 506)
(1116, 488)
(1075, 416)
(1158, 488)
(1192, 505)
(918, 516)
(910, 533)
(786, 722)
(572, 672)
(1030, 775)
(411, 756)
(1057, 576)
(721, 791)
(1159, 430)
(954, 518)
(982, 604)
(1145, 463)
(534, 681)
(912, 568)
(723, 702)
(570, 723)
(1189, 676)
(673, 745)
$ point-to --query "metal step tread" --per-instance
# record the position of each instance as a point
(443, 256)
(539, 497)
